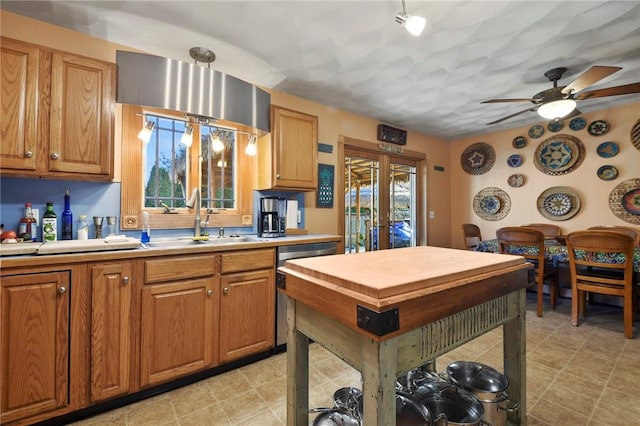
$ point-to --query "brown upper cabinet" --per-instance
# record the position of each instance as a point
(287, 157)
(56, 113)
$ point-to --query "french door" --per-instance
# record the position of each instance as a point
(381, 200)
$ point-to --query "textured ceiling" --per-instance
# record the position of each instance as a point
(353, 56)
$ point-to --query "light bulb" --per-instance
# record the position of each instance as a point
(145, 133)
(187, 136)
(216, 144)
(415, 24)
(252, 148)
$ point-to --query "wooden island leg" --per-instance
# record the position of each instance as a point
(379, 366)
(297, 370)
(515, 351)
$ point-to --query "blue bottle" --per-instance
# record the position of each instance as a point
(146, 230)
(67, 218)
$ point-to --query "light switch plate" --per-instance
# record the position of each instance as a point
(432, 214)
(246, 219)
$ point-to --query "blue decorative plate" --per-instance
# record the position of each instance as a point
(607, 172)
(631, 201)
(519, 142)
(598, 128)
(557, 204)
(556, 155)
(490, 204)
(514, 160)
(577, 123)
(608, 149)
(536, 131)
(555, 125)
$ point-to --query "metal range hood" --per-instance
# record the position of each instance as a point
(158, 82)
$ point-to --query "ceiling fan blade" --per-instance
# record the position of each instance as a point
(589, 77)
(513, 115)
(625, 89)
(495, 101)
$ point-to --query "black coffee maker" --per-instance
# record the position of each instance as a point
(272, 218)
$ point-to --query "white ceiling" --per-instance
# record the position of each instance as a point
(352, 55)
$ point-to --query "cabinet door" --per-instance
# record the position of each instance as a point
(82, 116)
(176, 329)
(295, 146)
(247, 323)
(110, 330)
(18, 107)
(35, 344)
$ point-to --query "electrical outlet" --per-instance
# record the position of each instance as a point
(246, 219)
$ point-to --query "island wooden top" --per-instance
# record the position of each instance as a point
(402, 288)
(386, 273)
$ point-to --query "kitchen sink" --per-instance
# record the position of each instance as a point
(189, 241)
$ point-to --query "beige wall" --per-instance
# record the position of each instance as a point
(593, 191)
(332, 124)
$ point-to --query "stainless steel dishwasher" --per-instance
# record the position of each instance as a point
(296, 251)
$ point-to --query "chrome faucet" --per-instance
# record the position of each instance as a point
(194, 202)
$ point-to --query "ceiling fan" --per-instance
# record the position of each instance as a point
(560, 101)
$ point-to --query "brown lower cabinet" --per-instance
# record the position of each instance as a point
(128, 325)
(35, 344)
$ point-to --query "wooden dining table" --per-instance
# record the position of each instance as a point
(557, 252)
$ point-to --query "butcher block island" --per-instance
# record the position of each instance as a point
(386, 312)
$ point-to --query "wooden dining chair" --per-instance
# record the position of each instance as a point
(601, 261)
(635, 234)
(529, 242)
(471, 235)
(548, 230)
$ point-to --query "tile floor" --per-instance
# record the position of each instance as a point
(587, 375)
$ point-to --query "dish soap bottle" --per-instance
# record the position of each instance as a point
(146, 229)
(67, 218)
(49, 224)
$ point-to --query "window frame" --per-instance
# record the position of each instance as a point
(132, 179)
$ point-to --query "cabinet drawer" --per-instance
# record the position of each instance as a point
(179, 268)
(248, 260)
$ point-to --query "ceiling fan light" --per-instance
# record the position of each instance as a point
(556, 109)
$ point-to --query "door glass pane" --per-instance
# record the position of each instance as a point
(361, 204)
(402, 205)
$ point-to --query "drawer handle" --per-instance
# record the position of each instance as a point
(62, 290)
(125, 280)
(209, 292)
(28, 154)
(225, 290)
(55, 155)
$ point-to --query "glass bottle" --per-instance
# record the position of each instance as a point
(27, 223)
(83, 227)
(146, 230)
(49, 224)
(67, 218)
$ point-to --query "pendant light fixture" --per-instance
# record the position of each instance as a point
(145, 133)
(412, 23)
(252, 147)
(216, 143)
(187, 136)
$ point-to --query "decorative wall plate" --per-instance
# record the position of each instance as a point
(631, 201)
(598, 128)
(514, 160)
(558, 203)
(490, 204)
(607, 172)
(478, 158)
(559, 154)
(483, 200)
(635, 135)
(536, 131)
(608, 149)
(516, 180)
(519, 142)
(555, 125)
(577, 123)
(624, 201)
